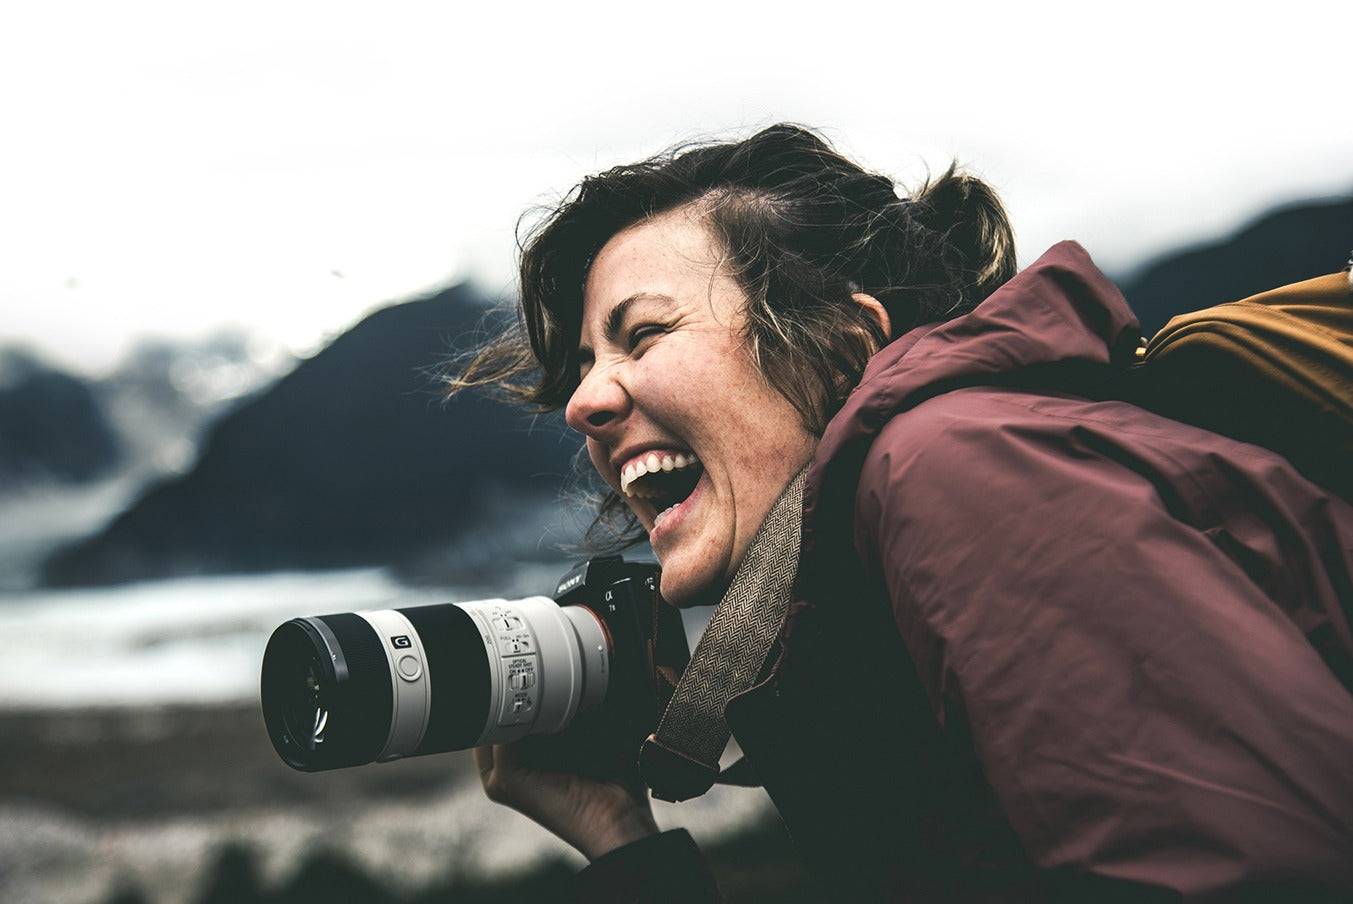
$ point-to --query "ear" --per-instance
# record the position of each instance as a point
(876, 309)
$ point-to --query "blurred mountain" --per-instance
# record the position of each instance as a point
(1294, 243)
(350, 459)
(164, 395)
(143, 420)
(52, 427)
(58, 480)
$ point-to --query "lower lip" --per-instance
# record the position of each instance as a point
(672, 520)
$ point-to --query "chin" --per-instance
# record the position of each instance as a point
(695, 571)
(684, 594)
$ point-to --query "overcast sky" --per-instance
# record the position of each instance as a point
(173, 167)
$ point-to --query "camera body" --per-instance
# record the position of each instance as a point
(591, 667)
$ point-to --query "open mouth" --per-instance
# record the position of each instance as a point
(663, 479)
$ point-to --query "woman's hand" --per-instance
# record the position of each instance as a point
(595, 817)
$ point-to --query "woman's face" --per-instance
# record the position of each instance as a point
(678, 418)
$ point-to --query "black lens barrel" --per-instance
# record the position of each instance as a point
(355, 690)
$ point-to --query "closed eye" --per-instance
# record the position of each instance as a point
(643, 332)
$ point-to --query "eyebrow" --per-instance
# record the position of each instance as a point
(615, 320)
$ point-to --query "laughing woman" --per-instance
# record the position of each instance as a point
(1035, 646)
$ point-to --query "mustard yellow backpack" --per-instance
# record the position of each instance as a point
(1274, 369)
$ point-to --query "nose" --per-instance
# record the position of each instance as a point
(599, 401)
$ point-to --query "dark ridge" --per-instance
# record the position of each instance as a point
(1293, 243)
(51, 425)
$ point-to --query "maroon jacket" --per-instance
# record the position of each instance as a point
(1050, 648)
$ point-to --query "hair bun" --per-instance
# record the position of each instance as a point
(973, 226)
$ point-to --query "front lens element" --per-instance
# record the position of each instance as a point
(306, 713)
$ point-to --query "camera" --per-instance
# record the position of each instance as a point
(593, 666)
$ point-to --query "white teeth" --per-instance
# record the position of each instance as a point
(651, 464)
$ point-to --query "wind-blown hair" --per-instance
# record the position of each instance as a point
(802, 228)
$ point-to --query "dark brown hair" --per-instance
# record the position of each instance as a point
(802, 227)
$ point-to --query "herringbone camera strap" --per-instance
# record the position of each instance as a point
(681, 759)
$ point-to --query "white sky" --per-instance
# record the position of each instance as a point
(167, 168)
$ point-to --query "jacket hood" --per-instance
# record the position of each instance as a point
(1055, 324)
